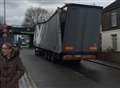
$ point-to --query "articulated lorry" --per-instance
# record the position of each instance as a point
(71, 33)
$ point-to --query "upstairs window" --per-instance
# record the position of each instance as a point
(114, 19)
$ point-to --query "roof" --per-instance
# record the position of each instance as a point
(112, 6)
(82, 5)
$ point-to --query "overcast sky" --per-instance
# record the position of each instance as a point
(16, 8)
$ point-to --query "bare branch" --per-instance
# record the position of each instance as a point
(35, 15)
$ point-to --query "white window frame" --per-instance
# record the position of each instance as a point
(114, 18)
(114, 41)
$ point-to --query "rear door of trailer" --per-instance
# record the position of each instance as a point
(81, 32)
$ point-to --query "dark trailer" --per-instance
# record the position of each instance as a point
(71, 33)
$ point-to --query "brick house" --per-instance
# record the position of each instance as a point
(111, 27)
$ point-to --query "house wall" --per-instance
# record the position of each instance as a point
(107, 39)
(107, 31)
(106, 20)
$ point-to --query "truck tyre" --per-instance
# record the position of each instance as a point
(53, 58)
(36, 53)
(48, 56)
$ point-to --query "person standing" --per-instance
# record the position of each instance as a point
(11, 67)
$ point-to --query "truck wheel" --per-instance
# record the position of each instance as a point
(53, 58)
(36, 53)
(48, 57)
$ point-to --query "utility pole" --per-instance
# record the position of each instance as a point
(7, 31)
(5, 35)
(4, 12)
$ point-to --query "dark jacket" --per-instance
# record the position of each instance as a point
(11, 70)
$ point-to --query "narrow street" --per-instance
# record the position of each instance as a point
(45, 74)
(60, 30)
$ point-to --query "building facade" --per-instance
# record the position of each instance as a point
(111, 27)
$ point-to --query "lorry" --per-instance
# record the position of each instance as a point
(70, 34)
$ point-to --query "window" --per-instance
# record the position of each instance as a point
(114, 41)
(114, 19)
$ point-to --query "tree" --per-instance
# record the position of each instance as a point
(35, 15)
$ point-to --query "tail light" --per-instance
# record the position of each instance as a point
(93, 48)
(68, 48)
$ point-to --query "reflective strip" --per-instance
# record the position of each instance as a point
(72, 57)
(78, 57)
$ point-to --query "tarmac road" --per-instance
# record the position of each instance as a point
(45, 74)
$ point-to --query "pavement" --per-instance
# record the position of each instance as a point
(26, 81)
(105, 63)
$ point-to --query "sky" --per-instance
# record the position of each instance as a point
(15, 9)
